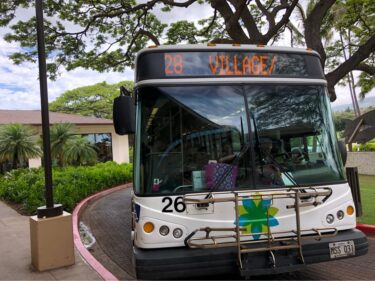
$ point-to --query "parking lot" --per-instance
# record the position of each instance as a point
(109, 220)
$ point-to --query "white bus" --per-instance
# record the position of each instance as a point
(237, 168)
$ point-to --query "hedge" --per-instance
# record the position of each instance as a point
(370, 146)
(71, 184)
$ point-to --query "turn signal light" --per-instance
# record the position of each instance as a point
(148, 227)
(350, 210)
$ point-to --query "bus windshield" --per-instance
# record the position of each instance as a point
(232, 137)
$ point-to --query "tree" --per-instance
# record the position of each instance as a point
(352, 49)
(107, 34)
(17, 143)
(95, 100)
(355, 23)
(61, 134)
(79, 150)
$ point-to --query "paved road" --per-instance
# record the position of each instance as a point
(109, 220)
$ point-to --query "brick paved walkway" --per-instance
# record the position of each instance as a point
(109, 220)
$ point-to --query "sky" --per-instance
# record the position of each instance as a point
(19, 84)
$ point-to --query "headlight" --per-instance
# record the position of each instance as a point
(177, 232)
(330, 218)
(340, 214)
(164, 230)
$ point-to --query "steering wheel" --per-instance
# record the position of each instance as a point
(182, 187)
(285, 155)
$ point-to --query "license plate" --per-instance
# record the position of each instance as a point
(342, 249)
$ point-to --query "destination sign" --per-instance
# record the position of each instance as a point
(227, 63)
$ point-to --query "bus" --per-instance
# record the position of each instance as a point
(237, 168)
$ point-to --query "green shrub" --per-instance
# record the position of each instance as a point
(370, 146)
(71, 184)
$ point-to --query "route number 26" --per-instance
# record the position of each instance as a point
(178, 205)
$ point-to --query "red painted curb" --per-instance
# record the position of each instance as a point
(368, 229)
(86, 255)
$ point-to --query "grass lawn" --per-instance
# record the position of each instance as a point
(367, 186)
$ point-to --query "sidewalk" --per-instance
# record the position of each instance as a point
(15, 255)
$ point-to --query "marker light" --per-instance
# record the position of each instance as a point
(330, 218)
(340, 214)
(177, 232)
(164, 230)
(350, 210)
(148, 227)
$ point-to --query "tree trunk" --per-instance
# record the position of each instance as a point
(60, 160)
(15, 160)
(232, 25)
(313, 23)
(343, 69)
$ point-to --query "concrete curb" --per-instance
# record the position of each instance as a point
(86, 255)
(368, 229)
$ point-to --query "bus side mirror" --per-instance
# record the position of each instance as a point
(343, 152)
(124, 113)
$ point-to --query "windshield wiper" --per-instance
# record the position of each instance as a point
(283, 170)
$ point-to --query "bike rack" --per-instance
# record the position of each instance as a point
(232, 236)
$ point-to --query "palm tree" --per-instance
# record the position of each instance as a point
(61, 133)
(79, 150)
(17, 143)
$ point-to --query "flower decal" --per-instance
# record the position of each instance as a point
(253, 216)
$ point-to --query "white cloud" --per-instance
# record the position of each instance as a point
(194, 12)
(19, 84)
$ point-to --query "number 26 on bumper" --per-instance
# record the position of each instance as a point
(178, 205)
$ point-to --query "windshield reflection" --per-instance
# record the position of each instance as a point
(198, 138)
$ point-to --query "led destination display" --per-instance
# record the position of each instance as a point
(227, 63)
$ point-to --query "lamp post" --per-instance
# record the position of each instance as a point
(51, 230)
(50, 209)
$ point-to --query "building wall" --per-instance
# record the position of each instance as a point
(120, 148)
(120, 144)
(365, 161)
(35, 162)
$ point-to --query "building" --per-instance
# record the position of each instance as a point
(110, 146)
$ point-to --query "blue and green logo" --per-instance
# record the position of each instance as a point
(253, 216)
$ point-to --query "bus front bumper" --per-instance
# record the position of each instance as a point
(188, 263)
